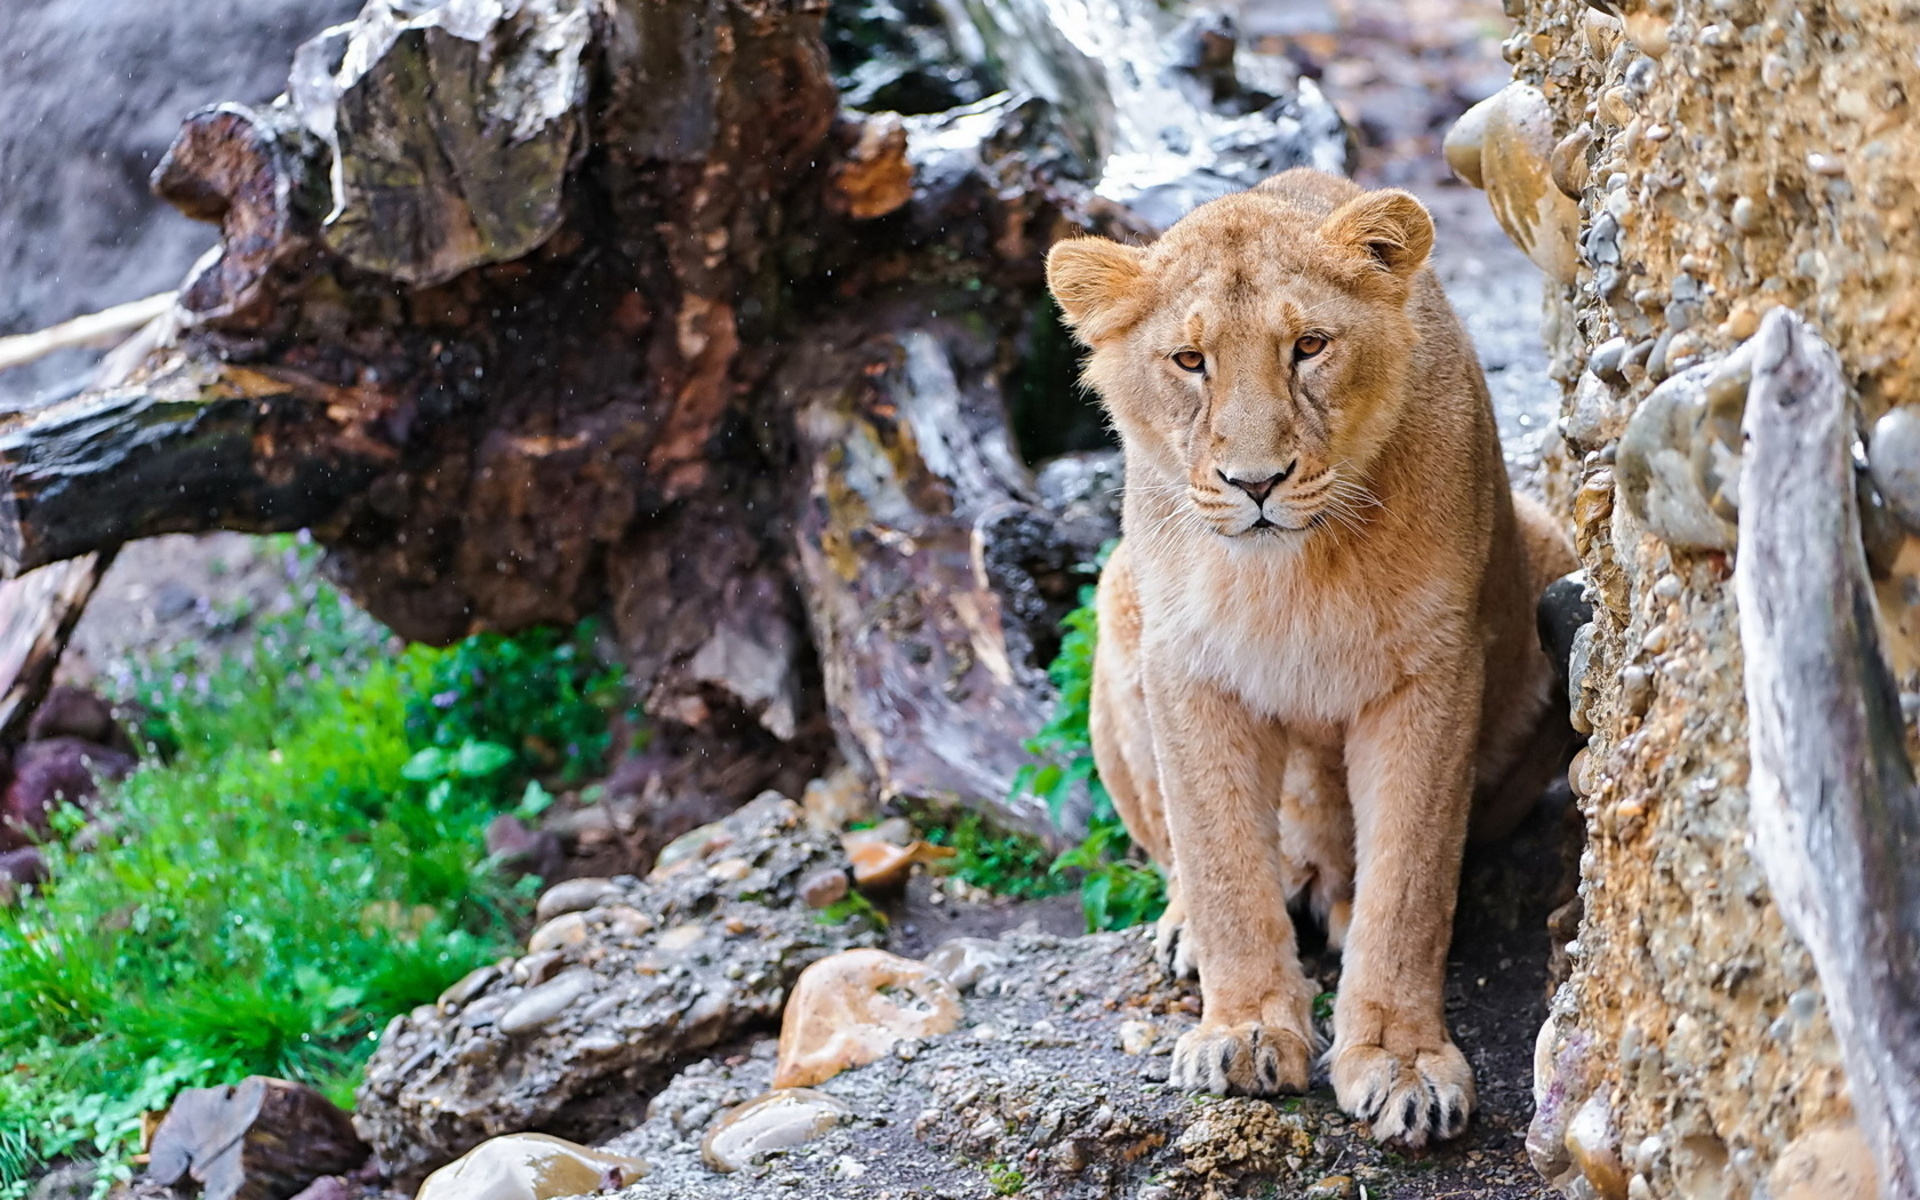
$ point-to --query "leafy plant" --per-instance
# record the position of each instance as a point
(1116, 889)
(305, 861)
(1007, 864)
(1005, 1179)
(542, 694)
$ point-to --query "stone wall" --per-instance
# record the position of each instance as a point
(1679, 167)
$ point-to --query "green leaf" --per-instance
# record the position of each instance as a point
(477, 760)
(426, 766)
(534, 801)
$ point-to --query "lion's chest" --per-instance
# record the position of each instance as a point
(1292, 648)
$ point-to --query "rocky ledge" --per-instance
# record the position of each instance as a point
(712, 1035)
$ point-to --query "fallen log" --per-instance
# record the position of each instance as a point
(540, 309)
(1836, 813)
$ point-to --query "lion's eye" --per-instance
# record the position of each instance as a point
(1308, 346)
(1190, 360)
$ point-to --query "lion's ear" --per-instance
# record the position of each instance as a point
(1098, 284)
(1390, 226)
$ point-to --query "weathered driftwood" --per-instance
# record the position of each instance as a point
(538, 309)
(1836, 814)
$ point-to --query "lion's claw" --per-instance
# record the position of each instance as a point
(1412, 1102)
(1249, 1059)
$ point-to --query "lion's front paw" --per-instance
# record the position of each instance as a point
(1172, 948)
(1249, 1059)
(1408, 1100)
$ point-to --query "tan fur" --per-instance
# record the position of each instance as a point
(1364, 669)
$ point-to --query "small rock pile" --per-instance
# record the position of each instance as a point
(623, 979)
(72, 743)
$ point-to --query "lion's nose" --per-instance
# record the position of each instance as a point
(1260, 489)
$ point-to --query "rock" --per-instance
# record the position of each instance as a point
(1516, 152)
(965, 962)
(543, 1005)
(76, 712)
(778, 1120)
(1674, 447)
(329, 1187)
(575, 895)
(521, 850)
(262, 1139)
(580, 1053)
(46, 774)
(1829, 1162)
(19, 869)
(1893, 459)
(875, 178)
(530, 1166)
(1137, 1037)
(568, 929)
(837, 801)
(1332, 1187)
(825, 888)
(850, 1009)
(1464, 141)
(883, 865)
(1595, 1150)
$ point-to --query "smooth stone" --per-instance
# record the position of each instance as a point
(965, 961)
(469, 985)
(1595, 1150)
(626, 921)
(530, 1166)
(1332, 1187)
(1893, 460)
(776, 1120)
(884, 864)
(681, 937)
(575, 895)
(693, 844)
(824, 888)
(1516, 166)
(569, 929)
(1463, 143)
(851, 1008)
(1137, 1037)
(539, 1007)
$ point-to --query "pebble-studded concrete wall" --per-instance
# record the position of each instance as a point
(1678, 167)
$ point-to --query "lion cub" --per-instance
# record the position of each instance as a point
(1317, 653)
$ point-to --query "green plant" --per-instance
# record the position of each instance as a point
(1006, 864)
(1005, 1179)
(852, 906)
(1116, 889)
(541, 694)
(301, 864)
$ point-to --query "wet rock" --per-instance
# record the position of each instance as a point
(522, 850)
(47, 774)
(262, 1139)
(779, 1120)
(579, 1053)
(530, 1166)
(1594, 1149)
(575, 895)
(837, 801)
(852, 1008)
(875, 178)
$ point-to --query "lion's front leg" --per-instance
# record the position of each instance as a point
(1410, 769)
(1222, 769)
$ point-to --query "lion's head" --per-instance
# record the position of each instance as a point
(1256, 356)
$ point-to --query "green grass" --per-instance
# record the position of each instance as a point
(300, 859)
(1007, 864)
(1117, 887)
(1005, 1179)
